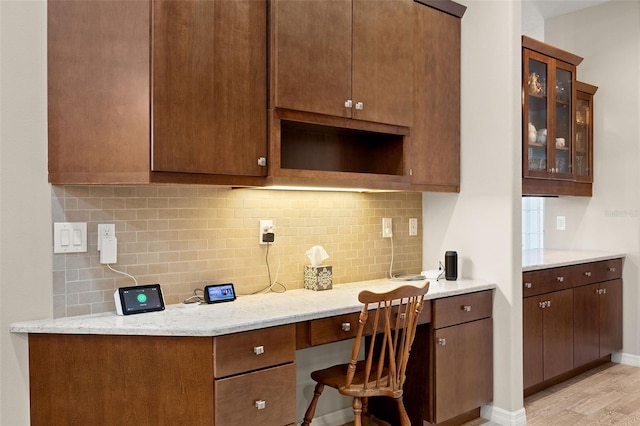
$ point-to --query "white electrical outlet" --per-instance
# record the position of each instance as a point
(561, 223)
(413, 226)
(266, 227)
(387, 227)
(107, 243)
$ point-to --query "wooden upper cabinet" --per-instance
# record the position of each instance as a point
(435, 133)
(344, 58)
(98, 91)
(209, 86)
(163, 91)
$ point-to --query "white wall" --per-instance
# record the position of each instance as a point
(25, 197)
(482, 223)
(608, 37)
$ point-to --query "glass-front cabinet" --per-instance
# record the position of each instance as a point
(584, 131)
(549, 102)
(557, 136)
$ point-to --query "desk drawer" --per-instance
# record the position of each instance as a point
(252, 350)
(460, 309)
(266, 398)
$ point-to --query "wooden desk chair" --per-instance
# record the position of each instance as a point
(382, 373)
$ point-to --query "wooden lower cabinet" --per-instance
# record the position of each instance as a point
(597, 321)
(572, 329)
(463, 368)
(262, 397)
(547, 336)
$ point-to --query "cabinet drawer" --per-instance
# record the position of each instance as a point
(265, 398)
(460, 309)
(341, 327)
(553, 279)
(252, 350)
(596, 272)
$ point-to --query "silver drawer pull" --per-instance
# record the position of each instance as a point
(466, 308)
(261, 405)
(588, 273)
(560, 279)
(348, 103)
(528, 285)
(346, 326)
(611, 269)
(442, 342)
(258, 350)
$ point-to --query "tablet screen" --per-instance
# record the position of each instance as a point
(219, 293)
(144, 298)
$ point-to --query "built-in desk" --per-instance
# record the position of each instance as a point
(157, 368)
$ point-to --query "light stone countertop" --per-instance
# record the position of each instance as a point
(243, 314)
(533, 260)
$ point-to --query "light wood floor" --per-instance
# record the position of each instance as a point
(606, 395)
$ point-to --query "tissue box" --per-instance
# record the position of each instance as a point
(318, 277)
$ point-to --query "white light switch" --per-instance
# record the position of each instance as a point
(70, 237)
(561, 223)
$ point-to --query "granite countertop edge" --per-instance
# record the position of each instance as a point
(537, 259)
(244, 314)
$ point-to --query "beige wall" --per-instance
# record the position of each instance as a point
(25, 203)
(608, 37)
(184, 237)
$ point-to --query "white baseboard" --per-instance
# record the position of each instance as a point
(626, 359)
(335, 418)
(498, 416)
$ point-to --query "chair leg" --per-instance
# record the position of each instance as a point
(402, 412)
(357, 411)
(308, 416)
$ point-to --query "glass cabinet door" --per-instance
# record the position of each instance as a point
(536, 117)
(584, 135)
(562, 149)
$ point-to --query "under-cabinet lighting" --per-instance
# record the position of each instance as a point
(315, 188)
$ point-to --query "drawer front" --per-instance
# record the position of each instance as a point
(548, 280)
(341, 327)
(265, 398)
(553, 279)
(454, 310)
(252, 350)
(596, 272)
(334, 329)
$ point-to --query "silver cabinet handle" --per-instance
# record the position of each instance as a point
(261, 404)
(560, 279)
(541, 305)
(258, 350)
(548, 303)
(588, 273)
(359, 106)
(604, 291)
(528, 285)
(346, 326)
(442, 342)
(262, 161)
(466, 308)
(611, 269)
(598, 291)
(348, 103)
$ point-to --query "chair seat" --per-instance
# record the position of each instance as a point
(335, 377)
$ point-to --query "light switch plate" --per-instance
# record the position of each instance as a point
(70, 237)
(561, 223)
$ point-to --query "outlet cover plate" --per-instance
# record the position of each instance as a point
(387, 227)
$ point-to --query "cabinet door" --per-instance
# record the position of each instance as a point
(586, 332)
(557, 331)
(98, 91)
(584, 135)
(383, 61)
(532, 342)
(610, 317)
(209, 87)
(311, 55)
(463, 368)
(435, 133)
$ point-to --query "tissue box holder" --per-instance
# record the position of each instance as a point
(318, 277)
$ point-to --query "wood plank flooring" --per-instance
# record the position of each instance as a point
(606, 395)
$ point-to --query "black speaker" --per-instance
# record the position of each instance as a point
(451, 265)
